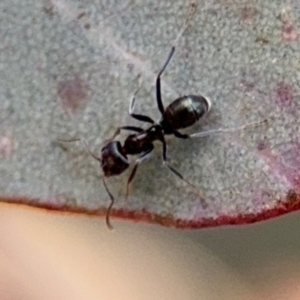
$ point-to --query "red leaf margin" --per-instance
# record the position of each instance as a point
(289, 204)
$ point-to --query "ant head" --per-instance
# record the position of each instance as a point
(113, 160)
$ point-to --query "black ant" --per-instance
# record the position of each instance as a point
(181, 113)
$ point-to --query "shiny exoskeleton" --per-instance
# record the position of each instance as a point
(181, 113)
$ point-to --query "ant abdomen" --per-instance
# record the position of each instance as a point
(184, 112)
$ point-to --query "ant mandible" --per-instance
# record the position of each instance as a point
(181, 113)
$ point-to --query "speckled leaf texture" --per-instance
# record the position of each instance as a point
(69, 69)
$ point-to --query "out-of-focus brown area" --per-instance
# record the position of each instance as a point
(46, 255)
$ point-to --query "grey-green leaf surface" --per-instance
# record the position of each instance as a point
(70, 68)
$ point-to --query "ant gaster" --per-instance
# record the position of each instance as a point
(181, 113)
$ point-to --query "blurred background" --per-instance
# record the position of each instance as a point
(46, 255)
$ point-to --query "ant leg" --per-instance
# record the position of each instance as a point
(180, 135)
(112, 201)
(170, 55)
(158, 88)
(132, 128)
(85, 145)
(216, 131)
(139, 117)
(174, 171)
(142, 158)
(221, 130)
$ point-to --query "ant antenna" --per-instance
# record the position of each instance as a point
(112, 201)
(84, 143)
(103, 180)
(221, 130)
